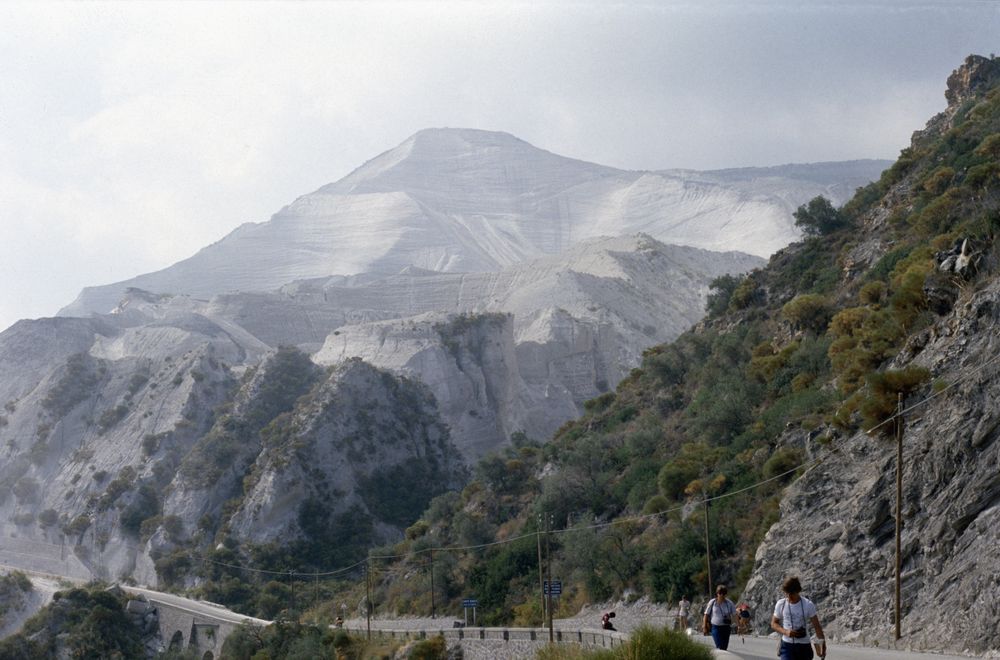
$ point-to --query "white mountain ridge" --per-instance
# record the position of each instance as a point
(464, 200)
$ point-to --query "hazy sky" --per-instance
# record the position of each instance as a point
(131, 135)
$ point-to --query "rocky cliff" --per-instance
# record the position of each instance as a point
(837, 522)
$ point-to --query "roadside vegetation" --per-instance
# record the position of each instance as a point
(87, 622)
(643, 644)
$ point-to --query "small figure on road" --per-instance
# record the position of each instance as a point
(718, 619)
(792, 615)
(339, 622)
(742, 619)
(682, 613)
(606, 621)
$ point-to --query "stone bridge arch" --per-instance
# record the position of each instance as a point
(182, 629)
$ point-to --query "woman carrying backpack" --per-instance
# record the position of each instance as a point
(718, 619)
(792, 615)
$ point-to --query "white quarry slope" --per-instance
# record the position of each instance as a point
(573, 326)
(461, 200)
(578, 323)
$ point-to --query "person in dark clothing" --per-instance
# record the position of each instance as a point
(606, 621)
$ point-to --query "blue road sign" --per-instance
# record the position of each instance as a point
(469, 603)
(556, 587)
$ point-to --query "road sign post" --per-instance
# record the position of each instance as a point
(470, 604)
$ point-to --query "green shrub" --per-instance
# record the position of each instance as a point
(656, 504)
(78, 379)
(873, 293)
(939, 180)
(647, 643)
(782, 461)
(884, 389)
(745, 295)
(720, 292)
(819, 217)
(78, 525)
(110, 417)
(808, 311)
(429, 649)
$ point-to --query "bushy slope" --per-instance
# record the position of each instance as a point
(79, 623)
(797, 360)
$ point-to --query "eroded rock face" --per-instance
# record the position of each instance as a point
(837, 529)
(366, 440)
(107, 407)
(576, 324)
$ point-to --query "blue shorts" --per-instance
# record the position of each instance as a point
(791, 651)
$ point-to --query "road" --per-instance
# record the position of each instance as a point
(765, 648)
(747, 648)
(201, 607)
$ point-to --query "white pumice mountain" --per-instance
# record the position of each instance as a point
(457, 290)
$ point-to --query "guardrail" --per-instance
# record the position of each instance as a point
(584, 636)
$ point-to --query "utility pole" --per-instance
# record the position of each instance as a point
(548, 561)
(899, 507)
(708, 550)
(433, 616)
(315, 589)
(368, 596)
(291, 584)
(541, 575)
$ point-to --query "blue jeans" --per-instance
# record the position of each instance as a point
(796, 651)
(720, 635)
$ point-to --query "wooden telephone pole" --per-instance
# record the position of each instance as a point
(433, 614)
(899, 509)
(708, 549)
(541, 574)
(368, 596)
(548, 567)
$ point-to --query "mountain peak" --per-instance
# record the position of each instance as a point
(465, 137)
(446, 155)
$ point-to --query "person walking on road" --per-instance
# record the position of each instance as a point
(719, 615)
(682, 613)
(792, 614)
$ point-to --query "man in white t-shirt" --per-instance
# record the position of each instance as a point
(718, 618)
(792, 615)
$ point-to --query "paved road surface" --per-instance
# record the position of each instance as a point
(764, 648)
(197, 606)
(748, 648)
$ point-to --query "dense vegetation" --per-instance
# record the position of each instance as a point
(288, 639)
(79, 623)
(643, 644)
(13, 587)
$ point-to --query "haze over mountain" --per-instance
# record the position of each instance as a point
(463, 200)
